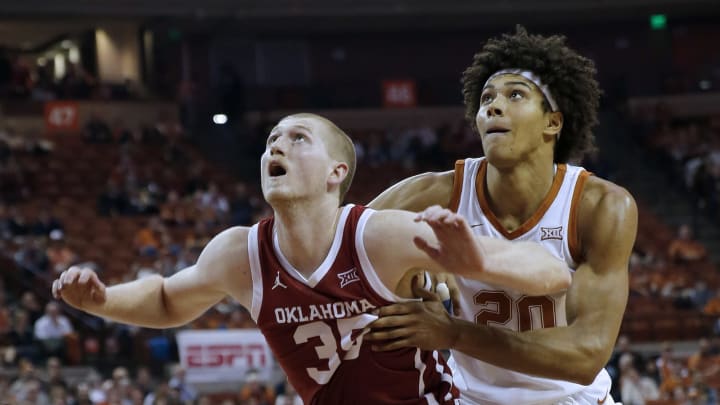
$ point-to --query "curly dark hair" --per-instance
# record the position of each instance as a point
(569, 76)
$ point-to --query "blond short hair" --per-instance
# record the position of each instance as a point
(340, 147)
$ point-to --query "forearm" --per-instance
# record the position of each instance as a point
(139, 302)
(537, 352)
(525, 267)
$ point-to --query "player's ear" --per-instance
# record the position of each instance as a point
(337, 175)
(553, 124)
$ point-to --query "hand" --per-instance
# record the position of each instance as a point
(458, 250)
(79, 287)
(426, 324)
(449, 280)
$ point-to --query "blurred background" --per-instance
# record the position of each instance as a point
(130, 133)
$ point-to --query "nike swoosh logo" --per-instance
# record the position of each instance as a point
(476, 225)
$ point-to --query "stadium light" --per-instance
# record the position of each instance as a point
(220, 119)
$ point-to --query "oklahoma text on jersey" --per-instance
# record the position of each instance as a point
(335, 310)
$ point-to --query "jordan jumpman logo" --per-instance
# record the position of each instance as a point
(278, 283)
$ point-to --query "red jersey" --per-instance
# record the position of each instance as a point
(315, 325)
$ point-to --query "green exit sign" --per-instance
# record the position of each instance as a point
(658, 21)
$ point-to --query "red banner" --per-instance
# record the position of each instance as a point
(61, 116)
(399, 93)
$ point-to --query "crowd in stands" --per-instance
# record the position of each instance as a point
(22, 78)
(151, 178)
(667, 377)
(688, 148)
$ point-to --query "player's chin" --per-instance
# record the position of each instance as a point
(500, 156)
(275, 194)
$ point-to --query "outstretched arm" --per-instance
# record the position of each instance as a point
(158, 302)
(443, 241)
(595, 305)
(417, 193)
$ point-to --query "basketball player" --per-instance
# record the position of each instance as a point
(312, 275)
(533, 102)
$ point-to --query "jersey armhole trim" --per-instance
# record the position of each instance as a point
(255, 272)
(574, 244)
(458, 181)
(366, 267)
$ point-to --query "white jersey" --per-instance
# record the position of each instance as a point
(554, 226)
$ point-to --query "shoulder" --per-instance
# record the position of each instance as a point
(430, 183)
(390, 232)
(600, 195)
(227, 249)
(437, 179)
(225, 263)
(387, 220)
(388, 243)
(231, 238)
(607, 213)
(417, 192)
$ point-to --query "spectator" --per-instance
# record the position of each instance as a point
(31, 258)
(29, 303)
(172, 211)
(705, 364)
(59, 254)
(51, 330)
(22, 338)
(146, 240)
(185, 391)
(701, 295)
(196, 179)
(53, 370)
(637, 389)
(144, 380)
(622, 351)
(96, 130)
(684, 249)
(18, 223)
(256, 391)
(287, 395)
(26, 386)
(162, 395)
(669, 370)
(241, 206)
(82, 394)
(46, 223)
(113, 200)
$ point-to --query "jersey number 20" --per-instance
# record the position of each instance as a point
(525, 307)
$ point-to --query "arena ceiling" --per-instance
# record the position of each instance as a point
(32, 24)
(286, 8)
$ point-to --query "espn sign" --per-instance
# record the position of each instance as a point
(61, 116)
(224, 355)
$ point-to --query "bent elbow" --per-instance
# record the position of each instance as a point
(584, 372)
(584, 377)
(594, 355)
(587, 374)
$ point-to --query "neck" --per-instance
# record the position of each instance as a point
(305, 232)
(515, 193)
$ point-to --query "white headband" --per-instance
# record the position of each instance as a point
(535, 79)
